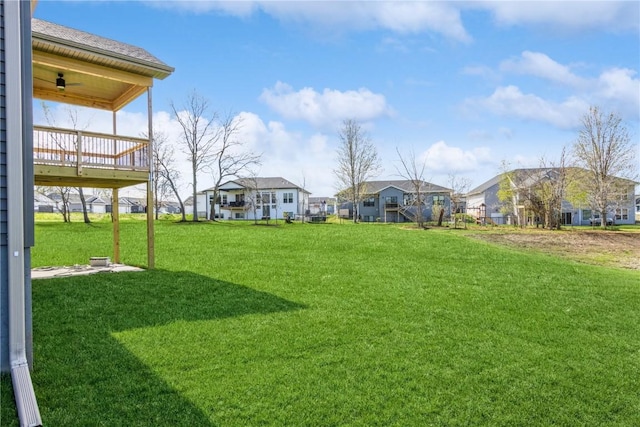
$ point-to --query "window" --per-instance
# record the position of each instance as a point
(369, 202)
(438, 200)
(266, 198)
(586, 213)
(224, 199)
(239, 215)
(622, 214)
(391, 199)
(287, 198)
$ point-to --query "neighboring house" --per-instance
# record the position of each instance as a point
(169, 207)
(637, 208)
(133, 205)
(43, 203)
(94, 204)
(256, 198)
(188, 205)
(321, 206)
(394, 201)
(485, 205)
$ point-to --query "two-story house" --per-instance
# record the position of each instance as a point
(255, 198)
(395, 201)
(521, 188)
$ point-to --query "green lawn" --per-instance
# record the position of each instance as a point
(327, 325)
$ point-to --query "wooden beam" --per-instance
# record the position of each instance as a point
(77, 66)
(66, 98)
(151, 251)
(129, 95)
(115, 211)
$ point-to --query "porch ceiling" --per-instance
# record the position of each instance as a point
(98, 72)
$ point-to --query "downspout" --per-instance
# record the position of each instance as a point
(25, 397)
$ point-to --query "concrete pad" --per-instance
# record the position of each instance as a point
(77, 270)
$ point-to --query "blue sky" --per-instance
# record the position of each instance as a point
(464, 85)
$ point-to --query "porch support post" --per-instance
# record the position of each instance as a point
(115, 210)
(115, 213)
(150, 204)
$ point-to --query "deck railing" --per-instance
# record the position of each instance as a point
(74, 148)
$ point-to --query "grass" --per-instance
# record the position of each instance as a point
(328, 324)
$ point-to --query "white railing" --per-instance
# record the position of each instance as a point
(64, 147)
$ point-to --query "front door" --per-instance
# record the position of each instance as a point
(266, 211)
(566, 218)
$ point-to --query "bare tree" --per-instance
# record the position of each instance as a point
(73, 118)
(552, 187)
(166, 171)
(413, 171)
(459, 186)
(358, 162)
(64, 192)
(162, 155)
(229, 159)
(61, 199)
(605, 150)
(304, 189)
(252, 196)
(199, 137)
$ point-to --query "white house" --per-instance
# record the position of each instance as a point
(255, 198)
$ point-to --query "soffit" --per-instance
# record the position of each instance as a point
(99, 72)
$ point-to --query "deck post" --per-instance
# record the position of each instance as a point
(150, 204)
(115, 214)
(115, 207)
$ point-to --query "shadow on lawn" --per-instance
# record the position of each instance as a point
(83, 376)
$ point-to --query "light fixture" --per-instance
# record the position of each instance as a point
(60, 84)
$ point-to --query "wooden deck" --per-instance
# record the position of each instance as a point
(65, 157)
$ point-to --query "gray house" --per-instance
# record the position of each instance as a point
(484, 203)
(395, 201)
(16, 204)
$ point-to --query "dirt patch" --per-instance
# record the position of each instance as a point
(599, 247)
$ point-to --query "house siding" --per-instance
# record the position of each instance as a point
(27, 169)
(4, 280)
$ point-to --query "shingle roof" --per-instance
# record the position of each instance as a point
(263, 183)
(528, 176)
(69, 36)
(374, 187)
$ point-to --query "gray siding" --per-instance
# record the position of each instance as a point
(27, 134)
(4, 281)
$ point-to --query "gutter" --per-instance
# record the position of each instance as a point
(25, 397)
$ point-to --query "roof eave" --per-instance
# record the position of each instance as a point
(159, 71)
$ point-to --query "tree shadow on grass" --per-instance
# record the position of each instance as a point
(83, 376)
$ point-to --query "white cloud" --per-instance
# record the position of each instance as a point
(620, 87)
(540, 65)
(304, 160)
(442, 158)
(345, 16)
(326, 109)
(509, 101)
(615, 89)
(566, 15)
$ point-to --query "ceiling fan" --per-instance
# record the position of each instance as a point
(61, 83)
